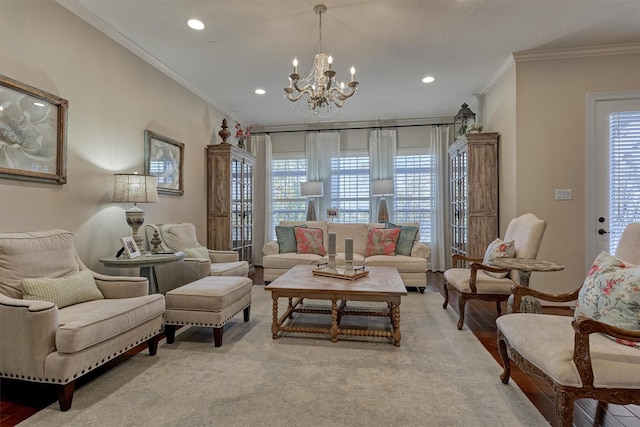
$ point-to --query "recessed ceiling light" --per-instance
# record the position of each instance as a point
(38, 104)
(196, 24)
(428, 79)
(260, 91)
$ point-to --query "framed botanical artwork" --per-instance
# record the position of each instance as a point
(130, 247)
(164, 159)
(33, 133)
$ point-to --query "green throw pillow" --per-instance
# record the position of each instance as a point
(199, 252)
(286, 239)
(407, 238)
(72, 289)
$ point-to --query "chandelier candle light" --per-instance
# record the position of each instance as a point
(320, 88)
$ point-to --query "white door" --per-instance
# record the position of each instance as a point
(614, 169)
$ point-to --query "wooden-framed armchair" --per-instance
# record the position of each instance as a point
(572, 354)
(476, 282)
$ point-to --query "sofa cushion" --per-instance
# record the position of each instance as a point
(611, 294)
(289, 260)
(358, 232)
(498, 249)
(286, 239)
(90, 323)
(404, 264)
(406, 239)
(309, 240)
(64, 291)
(382, 241)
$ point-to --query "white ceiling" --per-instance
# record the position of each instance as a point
(393, 44)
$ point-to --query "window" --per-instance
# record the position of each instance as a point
(350, 188)
(413, 187)
(624, 172)
(288, 204)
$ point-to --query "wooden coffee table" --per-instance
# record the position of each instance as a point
(383, 284)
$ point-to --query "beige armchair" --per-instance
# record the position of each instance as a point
(476, 282)
(59, 320)
(571, 354)
(199, 261)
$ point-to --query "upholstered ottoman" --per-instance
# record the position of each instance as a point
(210, 301)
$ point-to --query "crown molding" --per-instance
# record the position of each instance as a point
(504, 68)
(580, 52)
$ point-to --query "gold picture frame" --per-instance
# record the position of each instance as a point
(33, 133)
(164, 159)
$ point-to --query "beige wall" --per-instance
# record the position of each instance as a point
(550, 150)
(499, 115)
(113, 97)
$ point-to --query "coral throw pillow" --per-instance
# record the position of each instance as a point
(611, 294)
(382, 241)
(498, 249)
(309, 241)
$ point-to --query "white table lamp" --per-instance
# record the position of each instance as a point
(311, 190)
(134, 188)
(382, 187)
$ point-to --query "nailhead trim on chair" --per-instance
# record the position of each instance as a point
(215, 325)
(80, 373)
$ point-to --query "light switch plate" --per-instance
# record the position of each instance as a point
(564, 194)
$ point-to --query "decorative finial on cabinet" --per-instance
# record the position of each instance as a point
(224, 133)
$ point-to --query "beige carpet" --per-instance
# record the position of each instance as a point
(438, 377)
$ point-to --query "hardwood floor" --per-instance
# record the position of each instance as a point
(20, 400)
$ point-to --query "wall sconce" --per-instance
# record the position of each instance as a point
(134, 188)
(382, 187)
(311, 190)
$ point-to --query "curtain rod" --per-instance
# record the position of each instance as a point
(354, 128)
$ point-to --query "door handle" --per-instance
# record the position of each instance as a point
(601, 232)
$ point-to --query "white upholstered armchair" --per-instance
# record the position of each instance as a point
(60, 320)
(479, 281)
(199, 261)
(578, 356)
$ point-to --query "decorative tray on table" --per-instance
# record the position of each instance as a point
(339, 272)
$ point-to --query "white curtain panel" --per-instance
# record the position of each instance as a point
(321, 149)
(260, 147)
(383, 149)
(440, 210)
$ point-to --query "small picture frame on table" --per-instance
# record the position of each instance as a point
(332, 213)
(130, 247)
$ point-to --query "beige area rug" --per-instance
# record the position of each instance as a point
(438, 377)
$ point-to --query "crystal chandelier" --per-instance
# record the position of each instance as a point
(324, 96)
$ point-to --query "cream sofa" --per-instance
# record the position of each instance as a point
(412, 268)
(41, 342)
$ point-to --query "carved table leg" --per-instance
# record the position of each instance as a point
(395, 319)
(334, 321)
(274, 325)
(291, 307)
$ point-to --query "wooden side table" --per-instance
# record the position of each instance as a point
(146, 263)
(525, 266)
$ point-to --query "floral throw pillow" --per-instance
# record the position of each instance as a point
(382, 241)
(498, 249)
(611, 294)
(309, 241)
